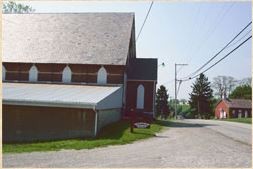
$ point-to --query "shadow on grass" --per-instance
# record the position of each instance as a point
(177, 124)
(114, 130)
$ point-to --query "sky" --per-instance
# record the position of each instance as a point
(179, 32)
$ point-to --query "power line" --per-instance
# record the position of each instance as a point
(192, 30)
(224, 56)
(220, 59)
(145, 20)
(211, 30)
(219, 51)
(239, 39)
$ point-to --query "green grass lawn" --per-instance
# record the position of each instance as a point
(240, 120)
(113, 134)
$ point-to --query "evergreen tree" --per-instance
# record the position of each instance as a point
(162, 108)
(201, 97)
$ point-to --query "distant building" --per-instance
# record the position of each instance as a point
(67, 75)
(233, 108)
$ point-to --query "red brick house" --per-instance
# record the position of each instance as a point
(67, 75)
(233, 108)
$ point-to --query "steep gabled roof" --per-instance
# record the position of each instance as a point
(83, 38)
(238, 103)
(143, 69)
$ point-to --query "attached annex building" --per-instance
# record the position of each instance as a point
(67, 75)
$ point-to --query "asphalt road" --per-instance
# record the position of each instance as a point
(187, 143)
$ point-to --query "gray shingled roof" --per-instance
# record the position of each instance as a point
(83, 38)
(143, 69)
(239, 103)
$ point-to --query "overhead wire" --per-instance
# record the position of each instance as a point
(248, 32)
(211, 30)
(145, 20)
(219, 14)
(194, 23)
(214, 28)
(219, 51)
(220, 59)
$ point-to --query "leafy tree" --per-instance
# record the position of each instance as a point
(179, 108)
(162, 108)
(13, 7)
(201, 97)
(223, 85)
(242, 92)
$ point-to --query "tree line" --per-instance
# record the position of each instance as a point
(224, 85)
(204, 96)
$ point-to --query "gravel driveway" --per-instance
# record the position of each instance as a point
(187, 143)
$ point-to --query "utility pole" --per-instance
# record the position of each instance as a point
(176, 86)
(175, 92)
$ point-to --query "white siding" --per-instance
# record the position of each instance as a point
(114, 100)
(102, 76)
(108, 116)
(33, 74)
(140, 97)
(66, 75)
(3, 72)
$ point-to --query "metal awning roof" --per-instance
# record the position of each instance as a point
(62, 95)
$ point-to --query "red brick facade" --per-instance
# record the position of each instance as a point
(221, 106)
(131, 95)
(53, 72)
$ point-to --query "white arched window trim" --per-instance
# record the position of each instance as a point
(102, 76)
(66, 75)
(140, 97)
(33, 74)
(3, 72)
